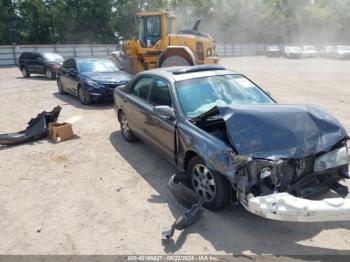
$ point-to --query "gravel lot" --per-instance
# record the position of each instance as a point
(96, 194)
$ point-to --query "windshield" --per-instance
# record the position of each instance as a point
(97, 66)
(199, 95)
(52, 57)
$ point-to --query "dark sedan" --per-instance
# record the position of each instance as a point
(235, 142)
(91, 79)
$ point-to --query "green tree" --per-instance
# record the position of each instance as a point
(10, 26)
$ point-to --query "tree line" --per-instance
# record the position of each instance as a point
(229, 21)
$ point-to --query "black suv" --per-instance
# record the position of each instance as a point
(40, 63)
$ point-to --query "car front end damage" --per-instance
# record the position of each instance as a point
(283, 189)
(282, 158)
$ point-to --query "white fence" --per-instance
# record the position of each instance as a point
(229, 50)
(9, 54)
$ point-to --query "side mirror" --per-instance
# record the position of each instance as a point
(165, 111)
(269, 92)
(72, 71)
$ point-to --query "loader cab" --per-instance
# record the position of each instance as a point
(154, 26)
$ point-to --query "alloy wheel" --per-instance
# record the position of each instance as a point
(203, 182)
(48, 74)
(124, 125)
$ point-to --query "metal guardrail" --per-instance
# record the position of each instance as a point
(9, 54)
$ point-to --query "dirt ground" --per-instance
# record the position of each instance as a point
(97, 194)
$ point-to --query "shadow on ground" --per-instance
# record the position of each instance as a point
(232, 230)
(74, 101)
(35, 77)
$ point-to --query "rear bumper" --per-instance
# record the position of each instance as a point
(285, 207)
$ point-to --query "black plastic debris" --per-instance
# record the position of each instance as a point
(178, 186)
(37, 129)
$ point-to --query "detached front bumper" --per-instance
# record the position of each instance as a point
(285, 207)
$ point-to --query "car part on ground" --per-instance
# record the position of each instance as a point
(178, 186)
(286, 207)
(37, 129)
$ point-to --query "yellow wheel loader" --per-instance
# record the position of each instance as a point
(157, 45)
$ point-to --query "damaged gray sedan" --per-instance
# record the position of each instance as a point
(235, 143)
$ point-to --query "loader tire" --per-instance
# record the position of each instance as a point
(175, 61)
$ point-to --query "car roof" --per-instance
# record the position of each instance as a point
(39, 52)
(178, 73)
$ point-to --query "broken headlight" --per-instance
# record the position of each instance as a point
(335, 158)
(93, 83)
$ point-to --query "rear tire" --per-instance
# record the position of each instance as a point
(213, 187)
(175, 61)
(25, 72)
(84, 96)
(127, 133)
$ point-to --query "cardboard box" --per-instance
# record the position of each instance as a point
(60, 131)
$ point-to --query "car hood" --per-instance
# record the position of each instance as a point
(280, 131)
(110, 77)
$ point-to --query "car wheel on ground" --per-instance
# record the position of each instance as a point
(60, 87)
(212, 187)
(127, 133)
(84, 96)
(49, 74)
(25, 72)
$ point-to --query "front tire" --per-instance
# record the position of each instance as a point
(60, 87)
(175, 61)
(25, 72)
(49, 74)
(211, 186)
(84, 96)
(127, 133)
